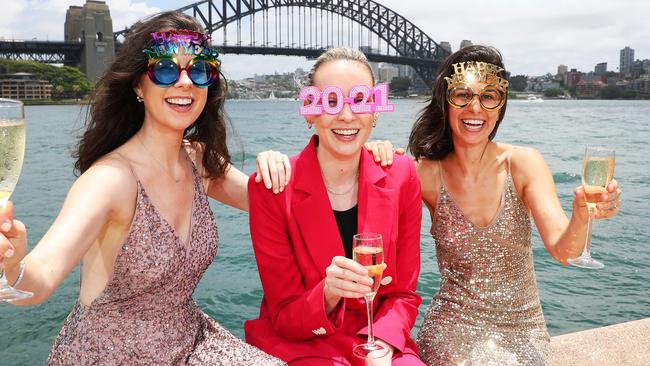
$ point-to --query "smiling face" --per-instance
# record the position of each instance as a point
(472, 124)
(342, 135)
(175, 107)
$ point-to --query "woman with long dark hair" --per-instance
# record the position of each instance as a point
(481, 195)
(138, 216)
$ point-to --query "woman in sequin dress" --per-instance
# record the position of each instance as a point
(138, 216)
(481, 196)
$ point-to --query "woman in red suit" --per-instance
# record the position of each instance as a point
(313, 312)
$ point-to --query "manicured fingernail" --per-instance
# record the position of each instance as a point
(268, 186)
(6, 225)
(275, 191)
(9, 253)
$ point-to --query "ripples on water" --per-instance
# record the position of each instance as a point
(572, 299)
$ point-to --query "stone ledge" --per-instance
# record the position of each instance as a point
(615, 345)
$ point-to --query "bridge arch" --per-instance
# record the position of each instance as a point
(411, 45)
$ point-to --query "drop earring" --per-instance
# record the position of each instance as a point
(139, 98)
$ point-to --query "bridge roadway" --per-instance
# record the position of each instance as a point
(56, 52)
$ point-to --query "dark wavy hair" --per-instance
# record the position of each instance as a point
(114, 114)
(431, 134)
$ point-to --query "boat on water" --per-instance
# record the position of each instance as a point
(534, 98)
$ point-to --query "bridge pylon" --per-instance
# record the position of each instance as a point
(91, 24)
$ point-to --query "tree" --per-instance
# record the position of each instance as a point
(553, 92)
(610, 92)
(399, 84)
(518, 82)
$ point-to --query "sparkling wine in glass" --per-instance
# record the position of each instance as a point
(12, 150)
(368, 250)
(597, 172)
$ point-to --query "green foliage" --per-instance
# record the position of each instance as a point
(553, 92)
(67, 82)
(518, 82)
(399, 84)
(629, 94)
(610, 92)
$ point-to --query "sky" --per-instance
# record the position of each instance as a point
(534, 36)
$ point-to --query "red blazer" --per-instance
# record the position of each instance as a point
(295, 236)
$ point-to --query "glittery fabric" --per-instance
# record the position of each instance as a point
(487, 311)
(146, 314)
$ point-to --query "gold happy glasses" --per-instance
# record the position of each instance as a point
(462, 94)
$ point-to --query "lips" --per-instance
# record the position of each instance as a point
(346, 131)
(473, 124)
(179, 101)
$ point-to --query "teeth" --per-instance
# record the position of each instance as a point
(179, 101)
(473, 122)
(346, 132)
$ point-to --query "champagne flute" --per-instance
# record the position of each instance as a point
(597, 172)
(12, 150)
(368, 250)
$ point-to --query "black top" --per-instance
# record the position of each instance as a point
(347, 223)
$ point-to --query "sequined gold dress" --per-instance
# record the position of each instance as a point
(487, 311)
(146, 315)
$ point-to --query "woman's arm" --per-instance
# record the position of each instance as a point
(272, 167)
(93, 200)
(396, 315)
(564, 238)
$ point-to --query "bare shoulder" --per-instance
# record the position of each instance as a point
(525, 159)
(109, 183)
(429, 172)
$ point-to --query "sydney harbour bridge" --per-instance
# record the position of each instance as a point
(260, 27)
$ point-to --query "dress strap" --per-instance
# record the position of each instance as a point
(128, 164)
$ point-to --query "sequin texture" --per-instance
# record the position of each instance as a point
(487, 311)
(146, 314)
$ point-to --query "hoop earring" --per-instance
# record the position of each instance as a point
(374, 122)
(309, 125)
(139, 98)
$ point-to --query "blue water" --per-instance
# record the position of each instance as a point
(572, 299)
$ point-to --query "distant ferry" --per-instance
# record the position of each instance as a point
(533, 98)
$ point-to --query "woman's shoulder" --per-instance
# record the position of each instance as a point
(521, 157)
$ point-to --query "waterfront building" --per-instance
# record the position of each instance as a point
(23, 86)
(601, 69)
(571, 78)
(445, 46)
(627, 58)
(588, 89)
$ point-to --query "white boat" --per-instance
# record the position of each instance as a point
(272, 96)
(533, 98)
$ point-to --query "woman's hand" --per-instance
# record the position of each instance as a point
(607, 206)
(13, 238)
(382, 151)
(386, 360)
(274, 169)
(345, 279)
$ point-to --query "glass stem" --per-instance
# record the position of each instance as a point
(371, 324)
(586, 251)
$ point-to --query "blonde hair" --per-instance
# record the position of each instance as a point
(340, 53)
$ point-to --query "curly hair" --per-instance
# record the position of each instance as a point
(430, 136)
(115, 115)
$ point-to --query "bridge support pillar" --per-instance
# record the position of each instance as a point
(92, 25)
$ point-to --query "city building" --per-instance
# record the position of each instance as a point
(464, 43)
(22, 85)
(588, 89)
(571, 78)
(387, 72)
(627, 58)
(601, 69)
(445, 46)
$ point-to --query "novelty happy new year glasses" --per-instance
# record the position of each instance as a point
(163, 67)
(459, 93)
(362, 99)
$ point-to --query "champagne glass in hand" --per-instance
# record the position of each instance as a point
(597, 172)
(12, 149)
(368, 250)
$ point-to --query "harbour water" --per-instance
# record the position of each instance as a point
(572, 299)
